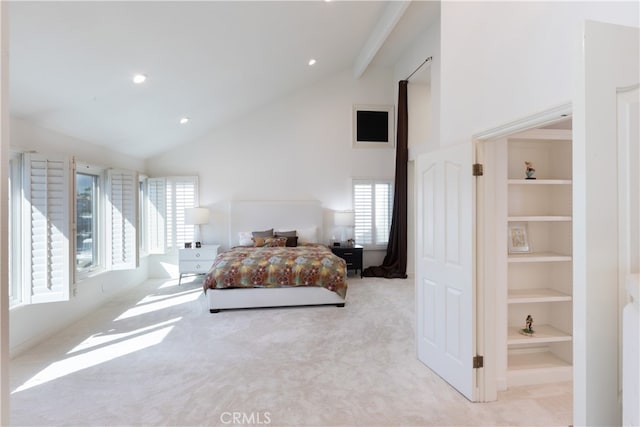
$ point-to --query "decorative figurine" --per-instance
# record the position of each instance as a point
(528, 329)
(529, 170)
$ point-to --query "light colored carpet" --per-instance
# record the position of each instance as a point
(155, 356)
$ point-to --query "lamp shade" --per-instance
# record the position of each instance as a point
(196, 216)
(344, 219)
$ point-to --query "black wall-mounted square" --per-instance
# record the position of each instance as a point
(372, 126)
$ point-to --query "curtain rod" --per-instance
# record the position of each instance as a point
(419, 66)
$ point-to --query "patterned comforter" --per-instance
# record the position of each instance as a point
(273, 267)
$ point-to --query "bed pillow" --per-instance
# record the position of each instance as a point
(258, 242)
(291, 242)
(265, 233)
(270, 242)
(308, 235)
(244, 238)
(292, 238)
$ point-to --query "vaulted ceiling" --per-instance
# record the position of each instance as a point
(72, 63)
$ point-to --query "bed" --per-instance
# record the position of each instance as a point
(273, 274)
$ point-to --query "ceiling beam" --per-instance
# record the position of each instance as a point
(387, 22)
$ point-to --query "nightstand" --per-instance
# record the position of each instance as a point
(196, 260)
(352, 255)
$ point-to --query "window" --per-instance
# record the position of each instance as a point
(142, 215)
(106, 220)
(156, 215)
(56, 232)
(373, 207)
(87, 222)
(167, 200)
(181, 194)
(15, 228)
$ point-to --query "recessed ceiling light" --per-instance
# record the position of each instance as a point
(184, 120)
(139, 78)
(312, 62)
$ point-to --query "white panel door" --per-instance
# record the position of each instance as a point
(629, 242)
(628, 131)
(608, 69)
(445, 303)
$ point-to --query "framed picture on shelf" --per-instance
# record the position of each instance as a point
(519, 238)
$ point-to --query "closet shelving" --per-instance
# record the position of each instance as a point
(539, 282)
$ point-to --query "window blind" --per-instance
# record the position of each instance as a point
(168, 198)
(157, 211)
(383, 211)
(122, 194)
(182, 192)
(373, 203)
(47, 227)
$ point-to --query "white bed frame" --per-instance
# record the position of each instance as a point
(250, 215)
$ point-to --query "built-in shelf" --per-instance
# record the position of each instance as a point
(543, 334)
(538, 283)
(525, 296)
(539, 257)
(537, 368)
(539, 218)
(535, 360)
(539, 181)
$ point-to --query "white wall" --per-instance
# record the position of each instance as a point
(423, 90)
(4, 215)
(423, 102)
(24, 137)
(298, 147)
(611, 61)
(503, 61)
(30, 324)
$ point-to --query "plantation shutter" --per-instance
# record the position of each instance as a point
(157, 211)
(372, 202)
(47, 246)
(122, 218)
(182, 192)
(168, 198)
(383, 211)
(363, 212)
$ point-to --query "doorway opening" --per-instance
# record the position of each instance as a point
(524, 253)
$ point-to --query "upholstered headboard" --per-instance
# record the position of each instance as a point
(257, 215)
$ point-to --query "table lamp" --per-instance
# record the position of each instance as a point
(197, 217)
(345, 220)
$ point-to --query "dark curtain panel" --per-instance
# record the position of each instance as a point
(394, 265)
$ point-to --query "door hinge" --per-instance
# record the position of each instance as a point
(478, 170)
(478, 362)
